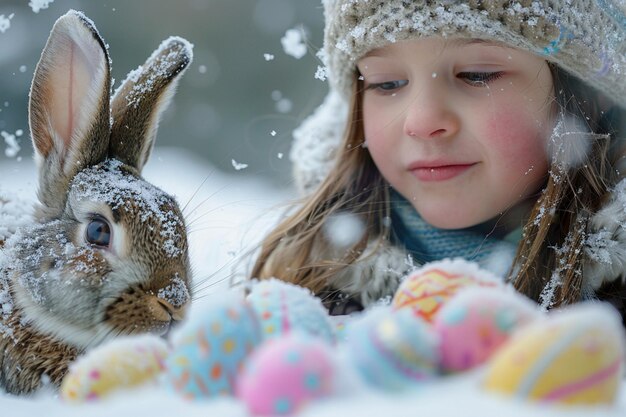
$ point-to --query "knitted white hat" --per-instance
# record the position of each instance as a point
(586, 38)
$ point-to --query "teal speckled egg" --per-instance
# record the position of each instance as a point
(282, 307)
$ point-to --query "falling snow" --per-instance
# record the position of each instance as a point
(344, 230)
(294, 43)
(284, 105)
(10, 140)
(37, 5)
(5, 22)
(238, 166)
(569, 143)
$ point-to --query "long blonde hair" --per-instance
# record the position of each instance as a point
(548, 266)
(354, 184)
(552, 240)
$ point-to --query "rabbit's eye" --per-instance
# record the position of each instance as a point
(99, 232)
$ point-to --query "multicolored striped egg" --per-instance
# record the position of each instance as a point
(573, 357)
(286, 373)
(283, 307)
(123, 363)
(392, 350)
(427, 289)
(210, 350)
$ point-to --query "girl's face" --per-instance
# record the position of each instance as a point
(458, 127)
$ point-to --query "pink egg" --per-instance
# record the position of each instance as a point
(476, 322)
(285, 373)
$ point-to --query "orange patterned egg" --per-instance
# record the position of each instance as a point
(427, 289)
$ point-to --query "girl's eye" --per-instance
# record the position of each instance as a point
(98, 232)
(387, 86)
(479, 79)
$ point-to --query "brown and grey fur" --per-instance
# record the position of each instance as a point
(68, 295)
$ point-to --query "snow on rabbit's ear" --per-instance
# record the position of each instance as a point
(138, 102)
(69, 100)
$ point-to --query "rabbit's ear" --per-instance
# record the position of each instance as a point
(69, 111)
(138, 103)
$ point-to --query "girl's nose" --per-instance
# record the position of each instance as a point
(430, 115)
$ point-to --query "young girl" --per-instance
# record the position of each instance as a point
(488, 130)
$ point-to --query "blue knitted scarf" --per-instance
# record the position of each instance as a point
(427, 243)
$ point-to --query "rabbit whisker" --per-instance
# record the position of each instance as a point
(201, 203)
(205, 283)
(195, 193)
(224, 205)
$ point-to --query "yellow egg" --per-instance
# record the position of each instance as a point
(427, 289)
(122, 363)
(574, 356)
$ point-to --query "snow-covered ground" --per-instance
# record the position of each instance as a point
(227, 213)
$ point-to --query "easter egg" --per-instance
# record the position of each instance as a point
(476, 322)
(392, 349)
(340, 325)
(283, 307)
(572, 357)
(209, 351)
(120, 364)
(425, 290)
(286, 373)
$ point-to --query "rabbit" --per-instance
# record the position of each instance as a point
(106, 252)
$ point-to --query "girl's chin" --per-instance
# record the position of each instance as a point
(497, 225)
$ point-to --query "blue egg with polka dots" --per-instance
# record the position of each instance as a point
(209, 351)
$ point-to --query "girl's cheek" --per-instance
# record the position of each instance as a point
(380, 126)
(516, 133)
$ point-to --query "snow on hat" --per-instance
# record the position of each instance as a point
(586, 38)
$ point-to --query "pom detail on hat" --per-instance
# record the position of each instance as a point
(316, 141)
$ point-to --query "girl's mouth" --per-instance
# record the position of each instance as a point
(439, 172)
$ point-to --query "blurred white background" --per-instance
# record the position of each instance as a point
(241, 97)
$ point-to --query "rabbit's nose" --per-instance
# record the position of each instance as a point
(164, 316)
(176, 313)
(165, 312)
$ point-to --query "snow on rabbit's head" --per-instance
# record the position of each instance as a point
(107, 253)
